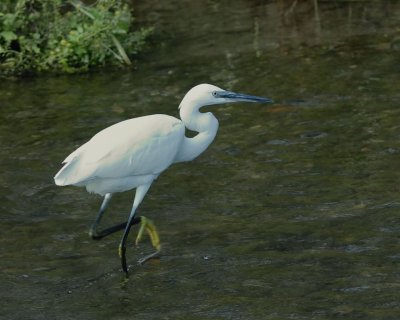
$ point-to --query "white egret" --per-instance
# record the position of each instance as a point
(133, 153)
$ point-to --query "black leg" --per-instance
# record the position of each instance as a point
(97, 235)
(139, 195)
(105, 232)
(93, 232)
(122, 247)
(93, 229)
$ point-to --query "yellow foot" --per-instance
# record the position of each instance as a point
(148, 225)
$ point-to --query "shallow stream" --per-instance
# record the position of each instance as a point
(292, 213)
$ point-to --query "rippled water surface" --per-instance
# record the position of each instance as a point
(292, 213)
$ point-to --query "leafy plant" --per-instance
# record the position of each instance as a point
(66, 36)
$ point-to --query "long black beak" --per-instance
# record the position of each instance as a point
(241, 97)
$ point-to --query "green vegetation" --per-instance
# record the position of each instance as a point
(65, 36)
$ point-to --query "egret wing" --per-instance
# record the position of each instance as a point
(139, 146)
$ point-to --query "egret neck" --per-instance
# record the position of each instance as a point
(204, 123)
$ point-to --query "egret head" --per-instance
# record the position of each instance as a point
(207, 94)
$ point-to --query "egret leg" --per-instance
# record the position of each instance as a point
(145, 225)
(93, 232)
(97, 235)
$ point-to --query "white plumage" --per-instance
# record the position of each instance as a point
(124, 155)
(133, 153)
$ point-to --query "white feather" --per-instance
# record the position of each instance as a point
(134, 152)
(129, 150)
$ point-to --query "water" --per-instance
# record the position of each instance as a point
(292, 213)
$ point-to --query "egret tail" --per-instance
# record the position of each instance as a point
(64, 176)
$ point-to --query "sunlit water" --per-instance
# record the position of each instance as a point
(292, 213)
